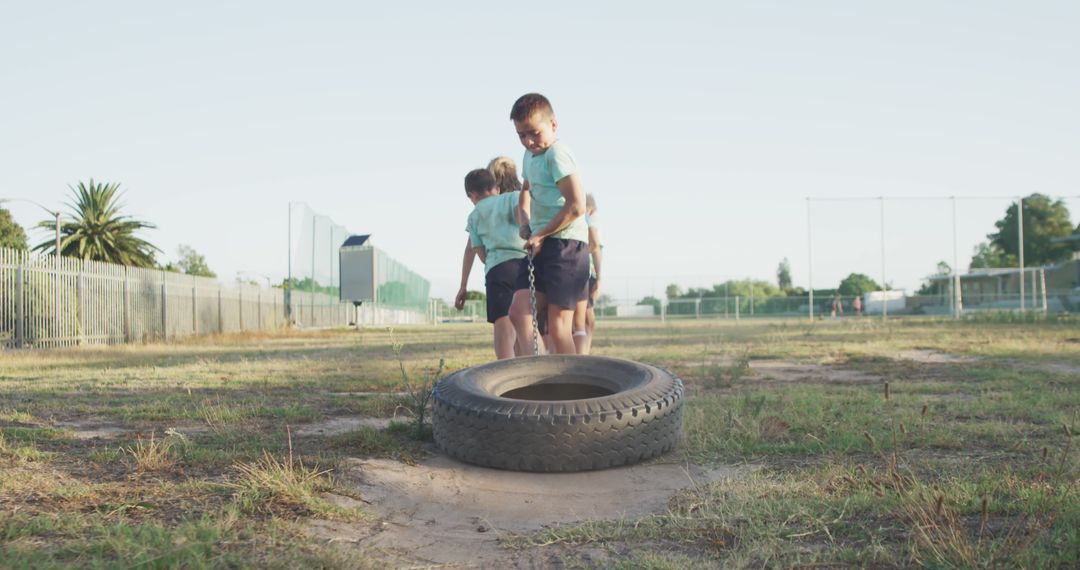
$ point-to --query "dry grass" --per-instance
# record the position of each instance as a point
(152, 454)
(233, 489)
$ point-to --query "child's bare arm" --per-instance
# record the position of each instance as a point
(522, 211)
(466, 268)
(596, 251)
(574, 207)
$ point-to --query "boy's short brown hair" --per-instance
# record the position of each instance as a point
(528, 104)
(479, 181)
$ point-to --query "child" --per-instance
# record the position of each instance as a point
(553, 220)
(505, 171)
(584, 315)
(493, 235)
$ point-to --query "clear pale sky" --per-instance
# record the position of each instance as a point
(700, 127)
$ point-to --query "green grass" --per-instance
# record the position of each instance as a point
(230, 492)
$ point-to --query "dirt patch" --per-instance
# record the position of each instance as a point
(784, 371)
(367, 394)
(339, 425)
(85, 431)
(445, 512)
(1056, 367)
(929, 356)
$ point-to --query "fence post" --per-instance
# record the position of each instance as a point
(1042, 279)
(697, 308)
(194, 310)
(240, 303)
(164, 311)
(220, 321)
(127, 308)
(736, 308)
(258, 308)
(20, 308)
(80, 319)
(663, 312)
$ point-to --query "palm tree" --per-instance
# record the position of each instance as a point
(95, 230)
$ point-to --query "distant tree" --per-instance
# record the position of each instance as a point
(783, 274)
(11, 234)
(673, 291)
(95, 230)
(475, 296)
(650, 300)
(856, 284)
(1044, 220)
(191, 262)
(935, 286)
(988, 255)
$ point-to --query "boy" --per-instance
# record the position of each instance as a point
(493, 236)
(552, 218)
(584, 315)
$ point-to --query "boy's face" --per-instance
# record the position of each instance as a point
(537, 132)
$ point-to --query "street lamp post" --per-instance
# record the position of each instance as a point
(56, 258)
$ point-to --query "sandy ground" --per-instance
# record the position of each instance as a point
(800, 372)
(445, 512)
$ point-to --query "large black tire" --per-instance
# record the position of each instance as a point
(641, 417)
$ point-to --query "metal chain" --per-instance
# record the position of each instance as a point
(532, 302)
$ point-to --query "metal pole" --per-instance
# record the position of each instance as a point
(884, 287)
(1034, 287)
(736, 308)
(956, 266)
(1020, 222)
(751, 297)
(56, 282)
(1042, 278)
(809, 261)
(288, 281)
(240, 303)
(164, 311)
(194, 310)
(314, 221)
(128, 333)
(20, 308)
(80, 319)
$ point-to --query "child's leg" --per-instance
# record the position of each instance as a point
(560, 325)
(590, 327)
(581, 333)
(505, 338)
(521, 317)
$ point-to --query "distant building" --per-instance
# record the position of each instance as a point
(999, 287)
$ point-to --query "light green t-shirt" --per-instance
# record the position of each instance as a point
(493, 226)
(590, 222)
(542, 172)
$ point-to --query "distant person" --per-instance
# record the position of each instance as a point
(493, 236)
(837, 305)
(553, 219)
(506, 175)
(857, 305)
(584, 314)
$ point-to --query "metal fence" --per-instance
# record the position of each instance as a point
(737, 307)
(48, 302)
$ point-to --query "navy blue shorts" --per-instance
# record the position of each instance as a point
(562, 272)
(499, 282)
